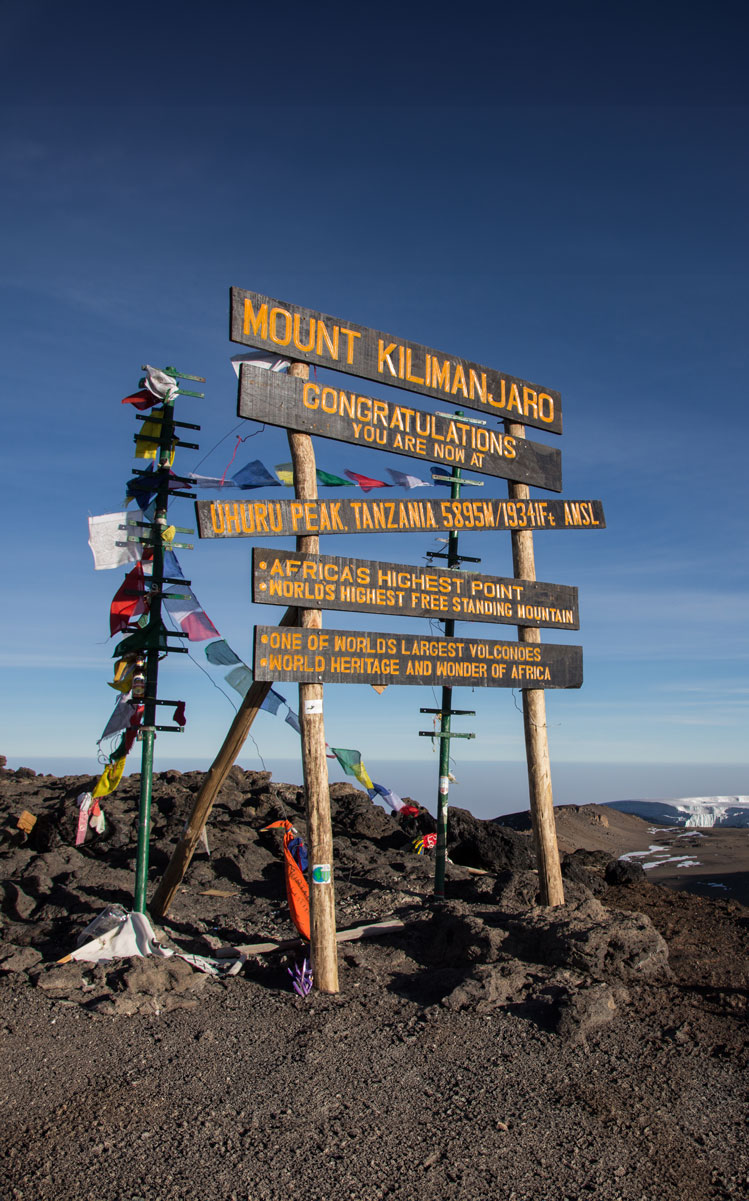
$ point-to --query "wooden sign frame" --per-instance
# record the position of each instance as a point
(285, 518)
(326, 656)
(281, 577)
(305, 335)
(346, 416)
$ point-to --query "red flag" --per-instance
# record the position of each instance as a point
(365, 483)
(128, 601)
(142, 399)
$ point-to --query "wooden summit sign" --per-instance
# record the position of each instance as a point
(250, 518)
(311, 337)
(346, 416)
(354, 657)
(306, 581)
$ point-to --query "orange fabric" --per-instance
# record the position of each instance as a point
(297, 889)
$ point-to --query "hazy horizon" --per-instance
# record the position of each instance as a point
(485, 787)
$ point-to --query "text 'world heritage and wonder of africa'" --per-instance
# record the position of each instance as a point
(353, 657)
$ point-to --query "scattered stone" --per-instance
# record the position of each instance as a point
(624, 871)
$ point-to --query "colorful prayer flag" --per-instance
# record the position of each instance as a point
(285, 473)
(351, 762)
(254, 475)
(331, 481)
(403, 480)
(273, 701)
(105, 531)
(220, 654)
(365, 483)
(129, 600)
(240, 678)
(292, 720)
(109, 778)
(391, 798)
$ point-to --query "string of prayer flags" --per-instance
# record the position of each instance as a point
(109, 529)
(351, 762)
(365, 483)
(292, 720)
(403, 480)
(254, 475)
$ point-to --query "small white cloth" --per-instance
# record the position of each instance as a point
(108, 529)
(160, 384)
(260, 358)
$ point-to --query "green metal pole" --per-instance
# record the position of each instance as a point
(447, 697)
(148, 732)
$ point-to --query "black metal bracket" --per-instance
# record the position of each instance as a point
(441, 554)
(451, 712)
(442, 734)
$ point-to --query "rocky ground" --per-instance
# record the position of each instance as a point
(487, 1048)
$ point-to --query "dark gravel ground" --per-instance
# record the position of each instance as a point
(490, 1048)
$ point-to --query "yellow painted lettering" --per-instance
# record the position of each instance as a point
(258, 323)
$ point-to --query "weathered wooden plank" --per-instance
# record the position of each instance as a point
(282, 577)
(345, 416)
(253, 518)
(304, 334)
(355, 657)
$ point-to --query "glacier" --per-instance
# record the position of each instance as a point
(689, 811)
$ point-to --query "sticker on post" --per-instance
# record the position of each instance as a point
(321, 873)
(444, 785)
(313, 706)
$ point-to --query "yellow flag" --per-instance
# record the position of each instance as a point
(147, 449)
(109, 778)
(123, 675)
(363, 775)
(285, 473)
(144, 449)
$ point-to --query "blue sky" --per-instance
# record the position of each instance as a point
(559, 193)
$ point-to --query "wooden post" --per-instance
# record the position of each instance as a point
(323, 947)
(209, 789)
(534, 722)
